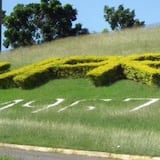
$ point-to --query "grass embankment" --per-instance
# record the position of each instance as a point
(117, 43)
(110, 126)
(6, 158)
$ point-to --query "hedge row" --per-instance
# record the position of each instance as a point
(4, 67)
(141, 68)
(145, 57)
(107, 74)
(101, 70)
(34, 75)
(141, 73)
(8, 80)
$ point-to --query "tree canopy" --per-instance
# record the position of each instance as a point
(36, 23)
(121, 18)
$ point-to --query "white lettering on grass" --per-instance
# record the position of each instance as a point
(150, 101)
(90, 108)
(82, 100)
(28, 104)
(71, 105)
(106, 100)
(59, 100)
(10, 104)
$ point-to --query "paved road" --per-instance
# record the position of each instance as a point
(32, 155)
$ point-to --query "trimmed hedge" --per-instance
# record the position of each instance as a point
(4, 67)
(141, 73)
(37, 74)
(42, 74)
(107, 74)
(84, 60)
(145, 57)
(74, 71)
(6, 79)
(34, 77)
(101, 70)
(140, 68)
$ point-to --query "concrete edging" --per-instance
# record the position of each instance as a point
(78, 152)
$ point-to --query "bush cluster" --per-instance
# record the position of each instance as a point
(141, 68)
(54, 68)
(101, 70)
(141, 73)
(4, 67)
(106, 74)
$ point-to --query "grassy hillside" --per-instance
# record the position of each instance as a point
(83, 120)
(117, 43)
(73, 113)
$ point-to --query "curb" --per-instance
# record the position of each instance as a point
(78, 152)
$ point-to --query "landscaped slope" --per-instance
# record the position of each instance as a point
(71, 112)
(101, 70)
(114, 43)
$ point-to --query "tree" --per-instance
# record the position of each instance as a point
(121, 18)
(40, 22)
(2, 15)
(20, 27)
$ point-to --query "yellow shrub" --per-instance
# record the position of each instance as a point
(101, 70)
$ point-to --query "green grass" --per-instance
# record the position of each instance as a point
(111, 127)
(6, 158)
(117, 43)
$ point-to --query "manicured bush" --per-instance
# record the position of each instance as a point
(6, 79)
(107, 74)
(39, 75)
(152, 64)
(44, 71)
(144, 57)
(4, 67)
(84, 60)
(141, 73)
(74, 71)
(34, 77)
(101, 70)
(9, 79)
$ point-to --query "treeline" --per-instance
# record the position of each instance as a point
(49, 20)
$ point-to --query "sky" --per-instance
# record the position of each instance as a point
(91, 15)
(91, 12)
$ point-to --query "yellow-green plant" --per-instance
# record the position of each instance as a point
(4, 66)
(101, 70)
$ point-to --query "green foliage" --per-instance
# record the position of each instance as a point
(121, 18)
(33, 77)
(42, 72)
(25, 76)
(101, 70)
(143, 68)
(105, 30)
(6, 158)
(73, 71)
(39, 73)
(20, 26)
(106, 74)
(4, 66)
(141, 73)
(6, 79)
(40, 22)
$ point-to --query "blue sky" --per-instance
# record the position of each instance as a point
(90, 12)
(91, 15)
